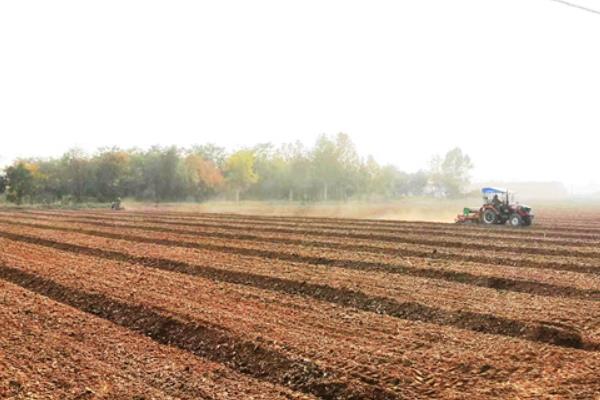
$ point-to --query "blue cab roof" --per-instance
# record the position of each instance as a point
(493, 190)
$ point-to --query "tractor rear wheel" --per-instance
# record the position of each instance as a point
(515, 220)
(526, 221)
(489, 217)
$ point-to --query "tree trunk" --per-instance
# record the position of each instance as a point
(237, 195)
(325, 196)
(291, 195)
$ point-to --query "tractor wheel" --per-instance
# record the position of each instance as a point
(526, 221)
(489, 217)
(515, 220)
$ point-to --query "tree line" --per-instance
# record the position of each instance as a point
(329, 170)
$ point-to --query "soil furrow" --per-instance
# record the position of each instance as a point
(297, 306)
(492, 282)
(547, 229)
(62, 353)
(477, 322)
(591, 253)
(208, 342)
(500, 233)
(404, 252)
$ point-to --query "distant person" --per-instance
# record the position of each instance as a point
(116, 205)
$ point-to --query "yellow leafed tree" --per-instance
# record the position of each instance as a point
(239, 171)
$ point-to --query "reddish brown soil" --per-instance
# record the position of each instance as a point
(183, 305)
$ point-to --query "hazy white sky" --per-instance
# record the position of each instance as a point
(515, 83)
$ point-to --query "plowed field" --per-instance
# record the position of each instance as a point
(168, 305)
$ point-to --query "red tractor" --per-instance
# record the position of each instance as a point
(497, 209)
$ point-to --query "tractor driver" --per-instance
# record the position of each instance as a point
(496, 202)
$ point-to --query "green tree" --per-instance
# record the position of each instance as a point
(369, 178)
(417, 183)
(110, 170)
(76, 174)
(163, 174)
(325, 164)
(391, 182)
(19, 182)
(270, 166)
(2, 184)
(298, 171)
(336, 165)
(350, 164)
(46, 180)
(239, 171)
(450, 175)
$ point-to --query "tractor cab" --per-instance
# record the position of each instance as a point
(499, 207)
(499, 199)
(494, 195)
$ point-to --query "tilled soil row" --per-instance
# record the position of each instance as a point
(492, 282)
(423, 295)
(591, 223)
(206, 341)
(512, 260)
(413, 238)
(492, 234)
(177, 215)
(364, 348)
(502, 233)
(345, 297)
(547, 221)
(581, 229)
(438, 362)
(567, 312)
(51, 351)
